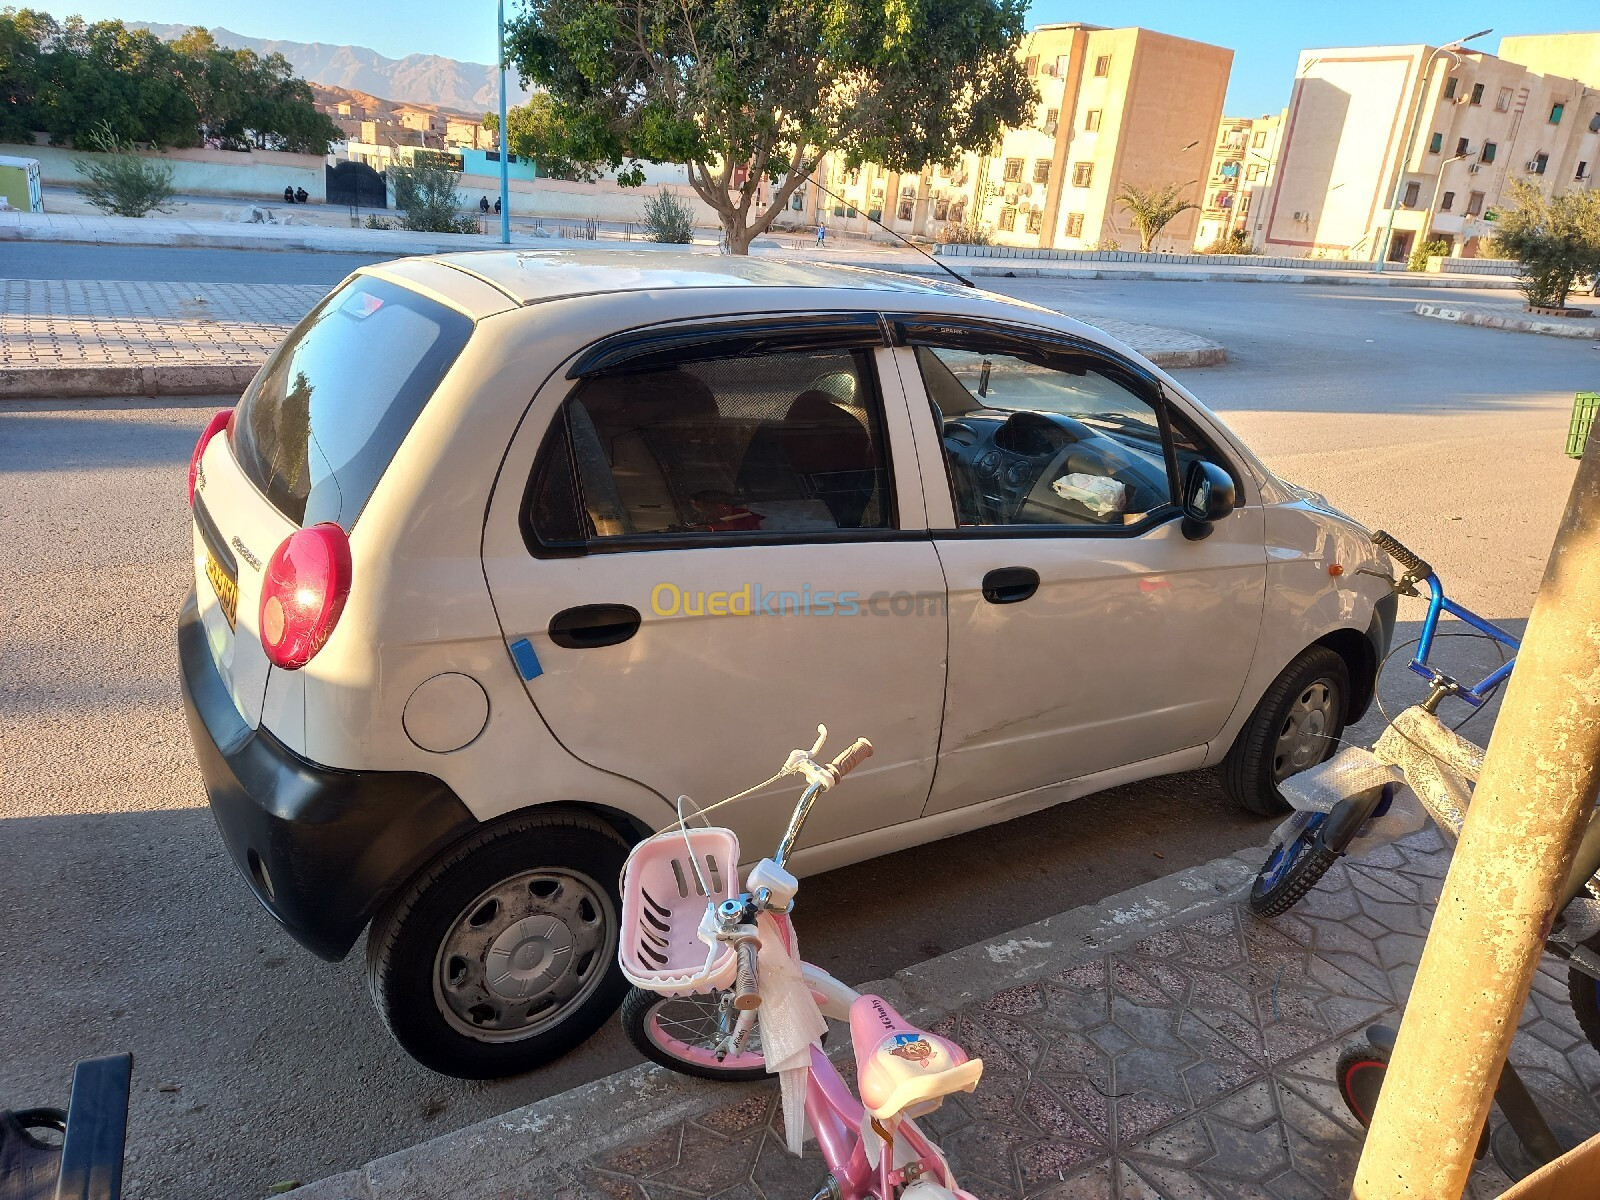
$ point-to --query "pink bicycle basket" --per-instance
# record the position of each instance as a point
(664, 900)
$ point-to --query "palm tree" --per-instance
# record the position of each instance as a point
(1152, 208)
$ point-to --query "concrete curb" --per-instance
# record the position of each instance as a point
(500, 1156)
(1549, 326)
(147, 379)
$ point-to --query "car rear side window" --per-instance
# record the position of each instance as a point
(780, 444)
(320, 423)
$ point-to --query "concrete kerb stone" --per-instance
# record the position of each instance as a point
(534, 1151)
(1510, 318)
(150, 379)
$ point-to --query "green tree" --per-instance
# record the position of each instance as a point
(749, 94)
(426, 193)
(118, 180)
(1555, 238)
(23, 35)
(535, 132)
(1152, 209)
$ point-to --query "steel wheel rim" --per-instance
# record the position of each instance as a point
(687, 1028)
(1303, 740)
(517, 960)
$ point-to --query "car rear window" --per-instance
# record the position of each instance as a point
(319, 424)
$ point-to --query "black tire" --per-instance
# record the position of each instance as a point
(1359, 1076)
(1583, 993)
(638, 1005)
(1253, 767)
(542, 864)
(1311, 864)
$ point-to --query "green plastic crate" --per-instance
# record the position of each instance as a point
(1584, 407)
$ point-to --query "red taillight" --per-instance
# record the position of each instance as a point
(216, 425)
(303, 593)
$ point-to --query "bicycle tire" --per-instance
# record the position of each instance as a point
(1311, 864)
(639, 1007)
(1583, 993)
(1358, 1086)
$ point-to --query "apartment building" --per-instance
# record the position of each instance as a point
(1243, 168)
(1474, 122)
(1116, 106)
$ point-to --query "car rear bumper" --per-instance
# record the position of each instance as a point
(320, 848)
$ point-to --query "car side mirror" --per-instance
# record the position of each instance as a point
(1208, 496)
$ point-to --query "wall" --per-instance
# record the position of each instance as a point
(558, 199)
(1575, 55)
(257, 175)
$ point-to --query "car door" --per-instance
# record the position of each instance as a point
(722, 544)
(1087, 631)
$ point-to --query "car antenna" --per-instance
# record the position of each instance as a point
(945, 267)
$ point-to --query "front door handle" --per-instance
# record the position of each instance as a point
(592, 625)
(1008, 585)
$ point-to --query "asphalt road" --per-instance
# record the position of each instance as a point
(122, 925)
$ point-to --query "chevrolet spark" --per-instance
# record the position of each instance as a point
(501, 553)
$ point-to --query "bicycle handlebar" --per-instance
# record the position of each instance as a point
(1414, 563)
(858, 752)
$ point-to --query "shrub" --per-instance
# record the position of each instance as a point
(426, 193)
(1153, 209)
(668, 218)
(120, 182)
(965, 233)
(1556, 239)
(1235, 241)
(378, 223)
(1426, 250)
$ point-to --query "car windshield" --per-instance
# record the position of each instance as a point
(318, 425)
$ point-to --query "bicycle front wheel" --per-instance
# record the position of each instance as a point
(682, 1032)
(1291, 870)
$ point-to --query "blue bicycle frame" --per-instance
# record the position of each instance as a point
(1439, 603)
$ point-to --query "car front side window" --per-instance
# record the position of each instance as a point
(773, 444)
(1056, 439)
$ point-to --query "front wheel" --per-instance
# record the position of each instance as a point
(682, 1032)
(1359, 1074)
(1296, 725)
(1292, 869)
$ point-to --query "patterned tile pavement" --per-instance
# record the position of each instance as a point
(1196, 1064)
(90, 322)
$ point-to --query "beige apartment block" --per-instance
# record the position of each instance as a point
(1475, 123)
(1243, 169)
(1116, 107)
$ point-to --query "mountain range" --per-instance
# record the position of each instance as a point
(417, 78)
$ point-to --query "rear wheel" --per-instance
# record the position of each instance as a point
(502, 955)
(1583, 992)
(1359, 1074)
(1296, 725)
(1291, 870)
(681, 1033)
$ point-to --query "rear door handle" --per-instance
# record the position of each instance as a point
(1008, 585)
(592, 625)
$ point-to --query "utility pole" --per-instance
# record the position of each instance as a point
(1528, 813)
(505, 139)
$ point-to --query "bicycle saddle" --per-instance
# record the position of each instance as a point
(903, 1069)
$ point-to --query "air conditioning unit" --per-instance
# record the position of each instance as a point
(1474, 168)
(1300, 216)
(1532, 165)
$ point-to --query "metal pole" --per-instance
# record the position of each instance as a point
(505, 139)
(1527, 816)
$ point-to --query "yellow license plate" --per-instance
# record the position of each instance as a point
(227, 590)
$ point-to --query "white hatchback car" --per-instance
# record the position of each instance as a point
(500, 553)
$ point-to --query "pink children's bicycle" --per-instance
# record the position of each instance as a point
(720, 992)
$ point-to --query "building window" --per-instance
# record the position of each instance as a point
(1033, 64)
(1555, 112)
(1477, 94)
(1052, 117)
(1035, 221)
(1252, 173)
(1008, 220)
(1013, 172)
(1102, 66)
(1450, 88)
(1436, 143)
(1041, 170)
(1092, 121)
(1449, 202)
(1074, 224)
(1082, 173)
(1474, 203)
(1583, 171)
(1259, 140)
(1461, 146)
(1540, 161)
(1489, 150)
(1413, 189)
(1503, 100)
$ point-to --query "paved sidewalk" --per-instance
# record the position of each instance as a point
(117, 338)
(1514, 317)
(1165, 1044)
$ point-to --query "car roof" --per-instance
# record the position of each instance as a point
(535, 276)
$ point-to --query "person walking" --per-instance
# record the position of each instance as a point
(822, 235)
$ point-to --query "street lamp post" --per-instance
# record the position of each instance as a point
(1411, 138)
(505, 141)
(1433, 209)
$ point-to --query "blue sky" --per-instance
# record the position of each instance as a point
(1265, 35)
